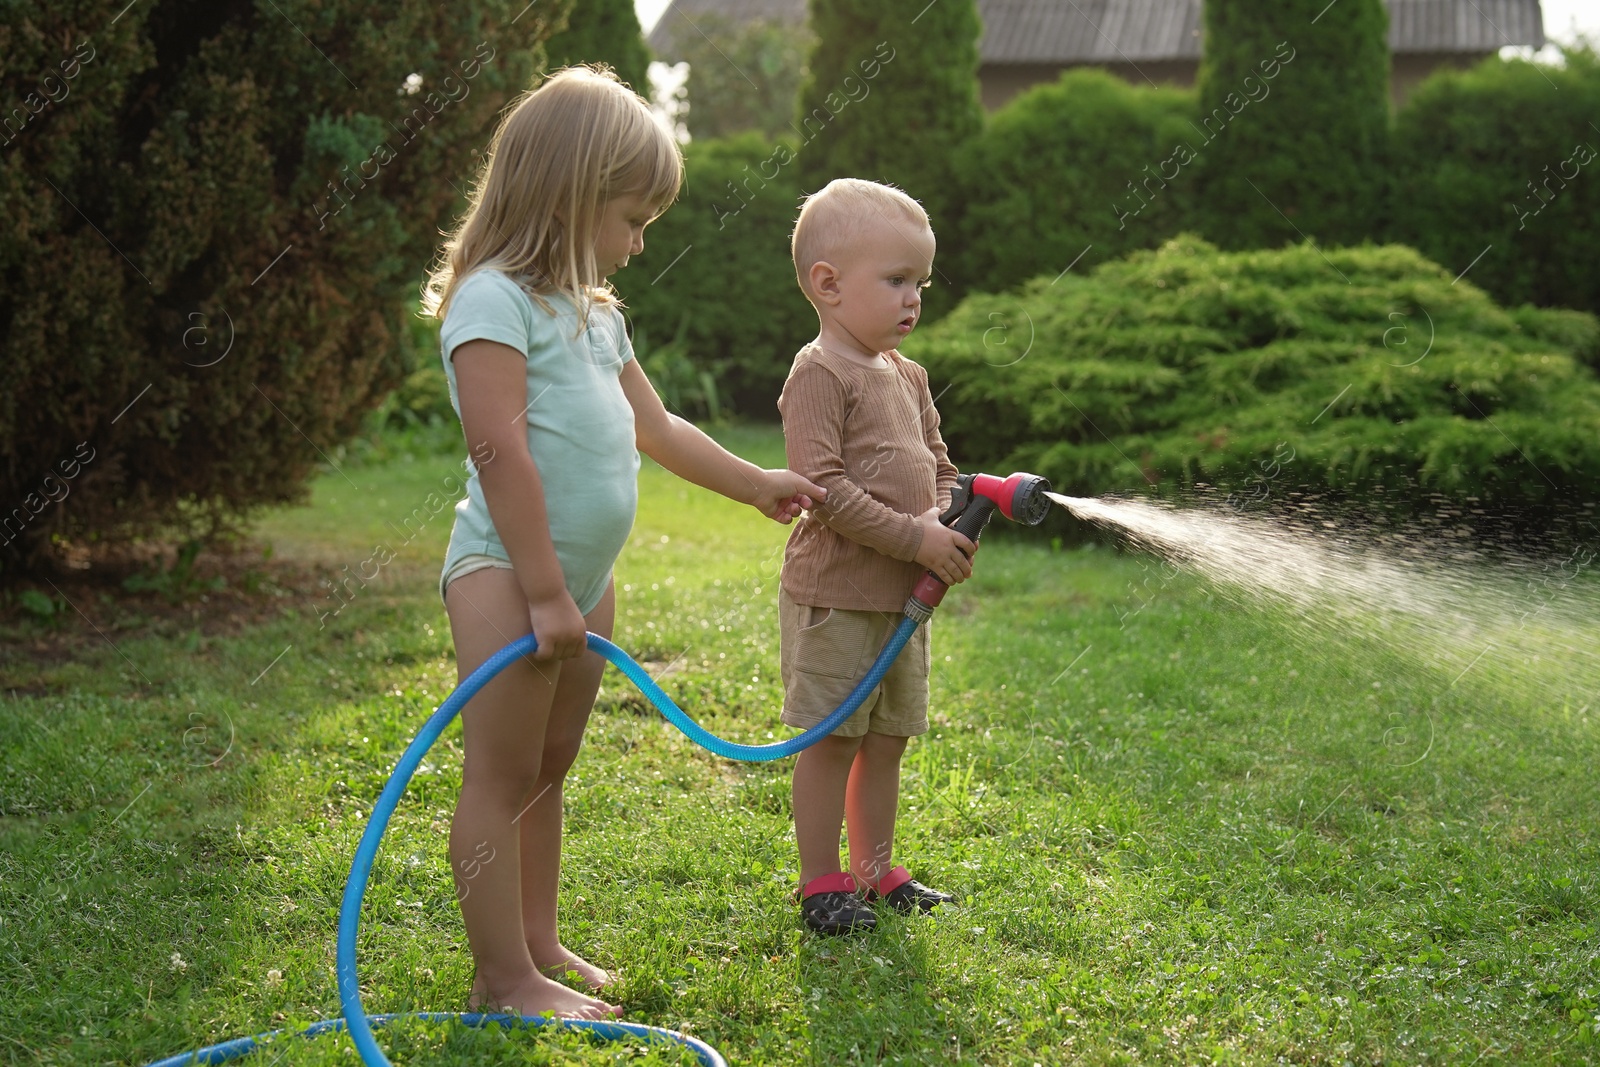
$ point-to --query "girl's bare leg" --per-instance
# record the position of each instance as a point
(503, 729)
(870, 802)
(541, 823)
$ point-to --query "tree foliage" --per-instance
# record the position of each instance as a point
(743, 76)
(1363, 370)
(890, 95)
(1294, 120)
(218, 213)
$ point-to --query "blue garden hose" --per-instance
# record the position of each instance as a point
(606, 1031)
(355, 1020)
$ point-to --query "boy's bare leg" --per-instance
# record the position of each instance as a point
(503, 730)
(820, 776)
(541, 822)
(871, 800)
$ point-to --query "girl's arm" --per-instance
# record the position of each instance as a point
(685, 450)
(491, 379)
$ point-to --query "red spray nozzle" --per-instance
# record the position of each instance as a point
(1019, 497)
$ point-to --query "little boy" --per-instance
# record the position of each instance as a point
(858, 419)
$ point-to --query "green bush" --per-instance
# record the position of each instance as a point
(1498, 168)
(1300, 152)
(1054, 175)
(1577, 332)
(683, 386)
(716, 268)
(1340, 371)
(219, 213)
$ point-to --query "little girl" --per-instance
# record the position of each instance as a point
(555, 410)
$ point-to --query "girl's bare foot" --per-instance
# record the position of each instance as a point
(534, 995)
(564, 961)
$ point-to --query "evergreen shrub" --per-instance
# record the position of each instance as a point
(1294, 109)
(604, 31)
(890, 95)
(1343, 371)
(218, 222)
(1088, 165)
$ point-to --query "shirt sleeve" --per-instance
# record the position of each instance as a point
(944, 471)
(486, 306)
(624, 343)
(814, 405)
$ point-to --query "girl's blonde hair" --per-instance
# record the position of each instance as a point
(564, 148)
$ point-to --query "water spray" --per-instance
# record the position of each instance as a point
(1523, 621)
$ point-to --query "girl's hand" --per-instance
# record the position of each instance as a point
(783, 494)
(559, 627)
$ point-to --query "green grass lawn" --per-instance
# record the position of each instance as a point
(1181, 832)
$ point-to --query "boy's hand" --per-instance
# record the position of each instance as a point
(559, 627)
(783, 494)
(943, 551)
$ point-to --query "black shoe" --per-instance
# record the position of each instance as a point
(835, 908)
(910, 895)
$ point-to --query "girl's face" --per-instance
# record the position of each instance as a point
(621, 232)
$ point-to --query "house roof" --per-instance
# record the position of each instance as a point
(1474, 26)
(1111, 31)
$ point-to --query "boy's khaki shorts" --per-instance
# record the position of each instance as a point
(824, 652)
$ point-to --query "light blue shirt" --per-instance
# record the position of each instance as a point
(580, 426)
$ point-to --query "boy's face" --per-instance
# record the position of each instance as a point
(875, 294)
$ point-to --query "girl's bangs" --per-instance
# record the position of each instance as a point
(655, 171)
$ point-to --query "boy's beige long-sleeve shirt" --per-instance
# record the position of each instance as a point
(870, 436)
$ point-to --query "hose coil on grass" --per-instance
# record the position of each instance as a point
(355, 1019)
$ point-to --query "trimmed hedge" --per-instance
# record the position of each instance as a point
(1340, 370)
(1088, 160)
(217, 227)
(1501, 172)
(717, 268)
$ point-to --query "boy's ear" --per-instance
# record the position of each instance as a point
(824, 279)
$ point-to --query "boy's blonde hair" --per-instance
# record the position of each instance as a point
(828, 217)
(575, 141)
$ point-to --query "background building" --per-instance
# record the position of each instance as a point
(1156, 41)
